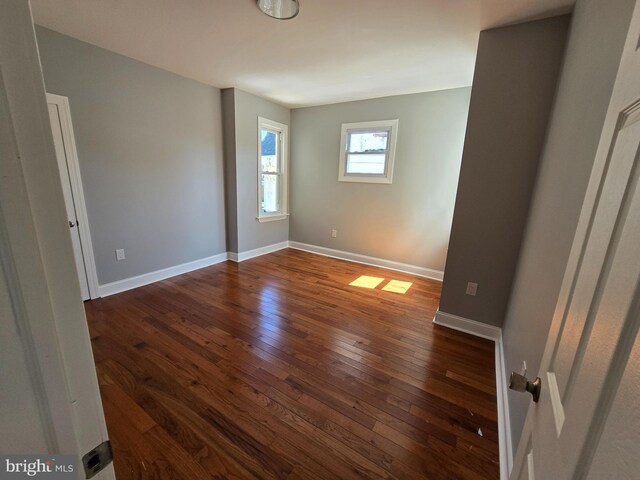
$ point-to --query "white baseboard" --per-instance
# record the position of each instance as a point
(241, 256)
(492, 333)
(147, 278)
(468, 326)
(366, 260)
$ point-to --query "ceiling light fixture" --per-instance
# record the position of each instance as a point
(280, 9)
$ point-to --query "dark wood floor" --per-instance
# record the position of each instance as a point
(277, 368)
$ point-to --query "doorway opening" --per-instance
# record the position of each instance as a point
(65, 145)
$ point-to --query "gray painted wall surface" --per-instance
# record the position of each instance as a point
(230, 178)
(407, 221)
(595, 45)
(515, 79)
(150, 151)
(252, 234)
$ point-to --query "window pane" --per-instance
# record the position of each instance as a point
(269, 151)
(270, 193)
(360, 142)
(372, 164)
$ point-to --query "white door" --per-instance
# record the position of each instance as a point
(71, 198)
(587, 422)
(49, 397)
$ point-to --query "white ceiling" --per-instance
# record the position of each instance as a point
(333, 51)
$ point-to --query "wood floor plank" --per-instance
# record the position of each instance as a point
(277, 368)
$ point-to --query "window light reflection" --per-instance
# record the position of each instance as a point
(397, 286)
(365, 281)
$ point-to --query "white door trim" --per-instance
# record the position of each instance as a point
(75, 178)
(505, 445)
(567, 426)
(37, 250)
(21, 265)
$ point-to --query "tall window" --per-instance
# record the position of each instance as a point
(272, 170)
(367, 151)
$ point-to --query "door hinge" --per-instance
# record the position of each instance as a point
(97, 459)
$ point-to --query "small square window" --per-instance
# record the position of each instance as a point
(367, 151)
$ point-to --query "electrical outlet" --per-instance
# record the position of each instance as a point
(120, 254)
(334, 233)
(472, 289)
(523, 370)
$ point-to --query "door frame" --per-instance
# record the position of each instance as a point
(623, 110)
(36, 253)
(75, 178)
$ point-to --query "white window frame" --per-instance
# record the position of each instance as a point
(380, 125)
(283, 131)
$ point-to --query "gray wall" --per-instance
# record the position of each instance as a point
(230, 174)
(597, 36)
(515, 79)
(150, 151)
(242, 111)
(407, 221)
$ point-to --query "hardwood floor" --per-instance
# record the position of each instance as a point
(276, 368)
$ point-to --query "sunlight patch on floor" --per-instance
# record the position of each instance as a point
(397, 286)
(367, 282)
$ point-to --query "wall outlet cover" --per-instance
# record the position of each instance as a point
(120, 254)
(472, 289)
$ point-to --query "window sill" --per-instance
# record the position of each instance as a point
(365, 179)
(272, 218)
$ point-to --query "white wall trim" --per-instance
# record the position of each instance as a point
(242, 256)
(272, 218)
(468, 326)
(147, 278)
(504, 424)
(366, 260)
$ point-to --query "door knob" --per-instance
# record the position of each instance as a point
(519, 383)
(71, 224)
